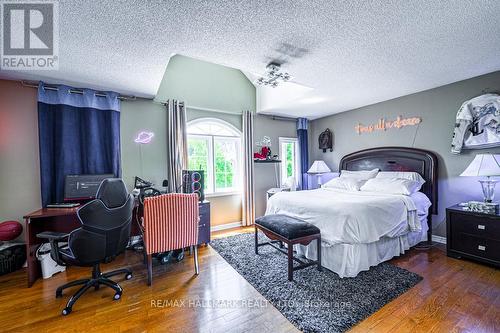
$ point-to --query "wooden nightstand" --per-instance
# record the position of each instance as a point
(473, 235)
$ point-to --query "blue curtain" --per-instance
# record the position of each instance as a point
(304, 151)
(78, 134)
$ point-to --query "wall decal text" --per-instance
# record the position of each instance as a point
(384, 124)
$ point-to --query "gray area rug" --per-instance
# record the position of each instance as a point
(315, 301)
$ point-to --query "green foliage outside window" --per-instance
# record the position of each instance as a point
(198, 156)
(224, 169)
(289, 159)
(224, 160)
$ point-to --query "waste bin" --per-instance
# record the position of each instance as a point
(49, 266)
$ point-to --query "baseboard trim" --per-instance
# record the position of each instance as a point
(439, 239)
(226, 226)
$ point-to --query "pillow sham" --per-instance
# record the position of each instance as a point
(346, 183)
(391, 186)
(401, 174)
(363, 174)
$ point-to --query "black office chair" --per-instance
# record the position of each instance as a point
(104, 234)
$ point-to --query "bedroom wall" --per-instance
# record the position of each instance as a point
(19, 156)
(214, 91)
(437, 108)
(147, 161)
(264, 173)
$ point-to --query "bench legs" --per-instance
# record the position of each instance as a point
(280, 240)
(318, 259)
(290, 262)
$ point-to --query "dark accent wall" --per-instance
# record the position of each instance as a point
(437, 107)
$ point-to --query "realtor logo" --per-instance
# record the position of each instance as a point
(29, 35)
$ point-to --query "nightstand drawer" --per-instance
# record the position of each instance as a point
(477, 246)
(483, 226)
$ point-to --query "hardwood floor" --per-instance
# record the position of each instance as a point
(455, 296)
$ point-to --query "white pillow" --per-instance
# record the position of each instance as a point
(402, 174)
(391, 186)
(363, 174)
(346, 183)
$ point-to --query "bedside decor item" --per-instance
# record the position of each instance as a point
(485, 165)
(473, 235)
(482, 207)
(325, 140)
(318, 168)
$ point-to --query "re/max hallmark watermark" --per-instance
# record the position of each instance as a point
(30, 35)
(244, 303)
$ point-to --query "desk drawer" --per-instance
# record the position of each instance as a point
(477, 246)
(487, 227)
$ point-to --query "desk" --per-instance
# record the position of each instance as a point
(50, 219)
(45, 219)
(65, 220)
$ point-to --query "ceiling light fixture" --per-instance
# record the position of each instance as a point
(272, 76)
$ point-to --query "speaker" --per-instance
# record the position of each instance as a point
(193, 181)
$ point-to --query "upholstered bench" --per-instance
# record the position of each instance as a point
(289, 230)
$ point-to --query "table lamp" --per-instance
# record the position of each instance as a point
(485, 165)
(318, 168)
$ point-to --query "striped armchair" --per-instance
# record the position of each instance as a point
(170, 222)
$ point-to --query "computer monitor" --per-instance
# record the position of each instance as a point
(82, 187)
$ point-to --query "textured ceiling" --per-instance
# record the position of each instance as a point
(352, 53)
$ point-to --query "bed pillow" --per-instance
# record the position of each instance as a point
(346, 183)
(401, 174)
(364, 174)
(391, 186)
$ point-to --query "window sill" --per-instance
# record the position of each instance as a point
(221, 194)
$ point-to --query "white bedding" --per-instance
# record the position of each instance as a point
(352, 217)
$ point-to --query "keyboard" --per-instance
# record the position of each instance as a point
(63, 205)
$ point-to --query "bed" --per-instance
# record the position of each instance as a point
(360, 230)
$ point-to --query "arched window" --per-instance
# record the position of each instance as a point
(214, 146)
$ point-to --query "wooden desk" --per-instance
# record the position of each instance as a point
(65, 220)
(45, 219)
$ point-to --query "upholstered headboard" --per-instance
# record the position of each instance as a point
(398, 159)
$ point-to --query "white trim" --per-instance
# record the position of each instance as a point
(222, 194)
(439, 239)
(226, 226)
(237, 133)
(296, 156)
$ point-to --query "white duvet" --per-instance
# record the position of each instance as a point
(349, 216)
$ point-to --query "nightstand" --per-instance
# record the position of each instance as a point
(473, 235)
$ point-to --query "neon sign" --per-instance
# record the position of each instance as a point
(383, 125)
(144, 137)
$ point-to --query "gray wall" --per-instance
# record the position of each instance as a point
(19, 156)
(148, 161)
(437, 108)
(264, 173)
(205, 86)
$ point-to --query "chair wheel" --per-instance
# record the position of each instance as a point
(117, 296)
(66, 311)
(128, 276)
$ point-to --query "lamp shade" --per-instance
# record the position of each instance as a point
(318, 167)
(483, 165)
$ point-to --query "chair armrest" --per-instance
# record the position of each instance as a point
(52, 236)
(54, 239)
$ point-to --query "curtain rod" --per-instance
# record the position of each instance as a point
(279, 117)
(34, 84)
